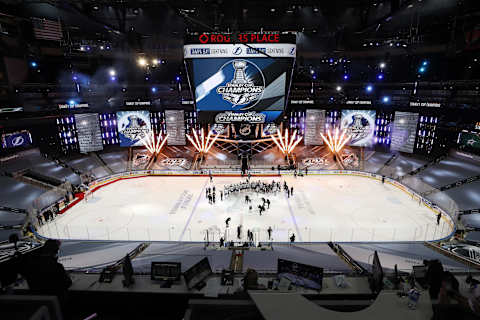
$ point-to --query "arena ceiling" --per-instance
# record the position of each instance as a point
(333, 25)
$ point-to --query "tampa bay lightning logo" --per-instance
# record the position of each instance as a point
(237, 51)
(246, 86)
(18, 141)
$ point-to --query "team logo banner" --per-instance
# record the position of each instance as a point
(360, 125)
(17, 139)
(133, 126)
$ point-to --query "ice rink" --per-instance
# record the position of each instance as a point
(323, 208)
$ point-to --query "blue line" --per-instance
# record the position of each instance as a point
(193, 210)
(293, 216)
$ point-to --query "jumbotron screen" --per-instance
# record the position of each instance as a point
(240, 78)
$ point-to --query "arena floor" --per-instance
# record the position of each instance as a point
(322, 208)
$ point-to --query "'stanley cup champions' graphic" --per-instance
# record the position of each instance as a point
(241, 90)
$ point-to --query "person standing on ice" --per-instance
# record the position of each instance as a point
(269, 230)
(221, 195)
(239, 231)
(227, 221)
(439, 216)
(222, 242)
(291, 191)
(268, 203)
(292, 238)
(210, 175)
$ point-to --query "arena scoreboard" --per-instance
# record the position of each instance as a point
(240, 73)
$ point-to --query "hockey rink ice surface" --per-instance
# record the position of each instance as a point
(322, 208)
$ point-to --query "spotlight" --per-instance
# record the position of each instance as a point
(33, 64)
(75, 78)
(312, 71)
(380, 76)
(113, 78)
(369, 88)
(142, 62)
(424, 63)
(96, 8)
(82, 48)
(177, 78)
(339, 88)
(102, 47)
(154, 89)
(112, 72)
(315, 9)
(421, 70)
(345, 77)
(382, 65)
(155, 61)
(124, 89)
(386, 99)
(71, 102)
(272, 10)
(314, 77)
(87, 48)
(136, 11)
(147, 78)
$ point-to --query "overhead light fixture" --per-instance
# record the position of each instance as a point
(382, 65)
(338, 88)
(142, 62)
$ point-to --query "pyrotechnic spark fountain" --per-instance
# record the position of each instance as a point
(154, 144)
(335, 143)
(202, 143)
(285, 143)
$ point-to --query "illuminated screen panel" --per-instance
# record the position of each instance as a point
(253, 84)
(314, 125)
(238, 77)
(88, 132)
(404, 131)
(175, 124)
(133, 126)
(360, 125)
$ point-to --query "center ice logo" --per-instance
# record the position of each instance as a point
(242, 89)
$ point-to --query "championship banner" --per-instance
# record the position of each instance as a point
(88, 132)
(175, 125)
(16, 139)
(314, 126)
(360, 125)
(404, 131)
(133, 126)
